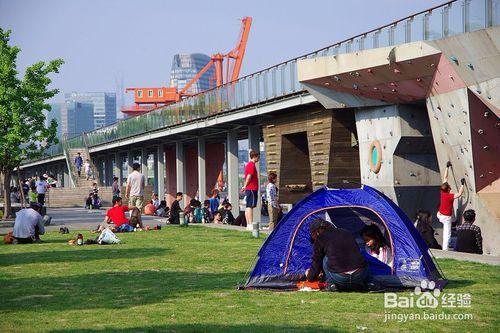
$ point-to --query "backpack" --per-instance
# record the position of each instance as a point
(8, 238)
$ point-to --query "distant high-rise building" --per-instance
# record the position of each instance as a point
(55, 113)
(104, 105)
(76, 117)
(185, 67)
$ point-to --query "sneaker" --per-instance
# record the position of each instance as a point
(331, 288)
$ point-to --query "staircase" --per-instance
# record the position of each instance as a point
(76, 196)
(82, 180)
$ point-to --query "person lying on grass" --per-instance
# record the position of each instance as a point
(116, 215)
(336, 253)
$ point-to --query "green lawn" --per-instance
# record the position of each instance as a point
(184, 280)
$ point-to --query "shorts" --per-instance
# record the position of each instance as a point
(136, 201)
(251, 198)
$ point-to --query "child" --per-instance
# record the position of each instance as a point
(155, 200)
(33, 195)
(87, 169)
(376, 245)
(175, 209)
(115, 187)
(218, 217)
(207, 216)
(198, 213)
(227, 215)
(214, 201)
(423, 225)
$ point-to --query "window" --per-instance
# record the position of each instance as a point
(160, 93)
(150, 93)
(139, 93)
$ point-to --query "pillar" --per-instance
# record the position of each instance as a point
(160, 171)
(232, 171)
(117, 169)
(254, 144)
(130, 161)
(179, 169)
(144, 164)
(66, 181)
(202, 172)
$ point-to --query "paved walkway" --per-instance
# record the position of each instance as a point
(83, 219)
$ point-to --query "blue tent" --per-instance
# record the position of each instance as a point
(286, 253)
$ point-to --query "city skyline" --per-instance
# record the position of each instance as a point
(138, 44)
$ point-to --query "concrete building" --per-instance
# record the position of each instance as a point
(104, 105)
(76, 118)
(54, 114)
(185, 67)
(387, 108)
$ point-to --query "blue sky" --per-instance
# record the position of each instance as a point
(102, 41)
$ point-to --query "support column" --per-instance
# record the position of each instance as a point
(160, 171)
(254, 144)
(144, 164)
(66, 181)
(117, 170)
(179, 169)
(232, 171)
(130, 161)
(202, 172)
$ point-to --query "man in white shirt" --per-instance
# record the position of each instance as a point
(41, 189)
(135, 187)
(29, 224)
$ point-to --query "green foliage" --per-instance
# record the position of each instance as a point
(184, 280)
(22, 102)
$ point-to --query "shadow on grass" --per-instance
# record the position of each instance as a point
(211, 328)
(122, 289)
(457, 284)
(78, 254)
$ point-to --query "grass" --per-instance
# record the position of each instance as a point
(184, 280)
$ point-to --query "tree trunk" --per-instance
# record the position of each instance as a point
(7, 207)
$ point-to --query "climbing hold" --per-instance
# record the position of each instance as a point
(327, 83)
(408, 62)
(357, 74)
(471, 66)
(480, 131)
(393, 90)
(397, 71)
(375, 88)
(336, 78)
(419, 79)
(452, 105)
(432, 65)
(412, 174)
(486, 114)
(390, 133)
(439, 108)
(489, 97)
(449, 115)
(486, 147)
(355, 86)
(393, 84)
(454, 59)
(451, 77)
(369, 70)
(478, 91)
(460, 132)
(481, 176)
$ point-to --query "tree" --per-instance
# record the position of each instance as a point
(23, 135)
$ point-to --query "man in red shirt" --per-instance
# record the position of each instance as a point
(445, 214)
(116, 216)
(251, 187)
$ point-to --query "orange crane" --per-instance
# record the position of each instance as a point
(150, 98)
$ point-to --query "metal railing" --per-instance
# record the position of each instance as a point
(279, 81)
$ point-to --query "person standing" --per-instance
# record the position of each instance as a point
(175, 209)
(251, 187)
(273, 206)
(469, 237)
(41, 189)
(87, 168)
(115, 187)
(446, 214)
(79, 164)
(134, 190)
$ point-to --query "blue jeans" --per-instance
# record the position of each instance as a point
(356, 280)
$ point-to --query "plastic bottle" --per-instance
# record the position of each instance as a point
(79, 240)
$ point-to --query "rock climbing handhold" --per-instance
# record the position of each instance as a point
(419, 79)
(370, 70)
(471, 66)
(480, 131)
(454, 59)
(336, 78)
(397, 71)
(355, 86)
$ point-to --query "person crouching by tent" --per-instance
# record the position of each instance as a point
(336, 253)
(376, 245)
(445, 213)
(116, 216)
(29, 225)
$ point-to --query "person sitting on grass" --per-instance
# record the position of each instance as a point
(175, 209)
(469, 238)
(424, 227)
(28, 225)
(116, 216)
(227, 215)
(162, 209)
(336, 253)
(376, 245)
(218, 217)
(207, 215)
